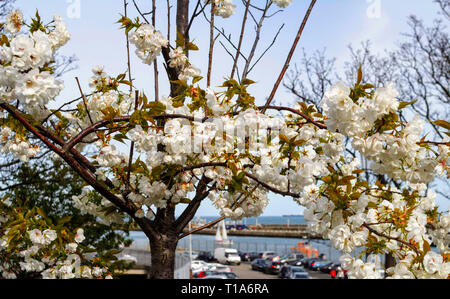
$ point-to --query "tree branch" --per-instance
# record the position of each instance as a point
(291, 53)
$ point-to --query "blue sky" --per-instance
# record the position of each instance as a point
(334, 24)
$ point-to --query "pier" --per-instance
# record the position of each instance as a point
(297, 231)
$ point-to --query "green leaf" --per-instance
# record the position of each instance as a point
(197, 79)
(246, 81)
(64, 220)
(367, 86)
(360, 75)
(126, 82)
(372, 205)
(442, 123)
(156, 108)
(120, 138)
(406, 104)
(181, 40)
(41, 213)
(185, 200)
(426, 247)
(191, 47)
(284, 138)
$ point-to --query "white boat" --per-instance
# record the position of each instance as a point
(221, 234)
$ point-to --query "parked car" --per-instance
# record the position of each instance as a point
(334, 270)
(298, 273)
(206, 256)
(271, 267)
(327, 268)
(221, 275)
(196, 265)
(241, 227)
(202, 274)
(211, 269)
(291, 257)
(219, 267)
(288, 270)
(285, 271)
(308, 263)
(267, 254)
(244, 256)
(227, 256)
(319, 263)
(258, 264)
(253, 256)
(297, 262)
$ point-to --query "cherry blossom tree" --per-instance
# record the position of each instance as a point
(155, 153)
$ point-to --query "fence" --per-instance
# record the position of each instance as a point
(142, 257)
(280, 248)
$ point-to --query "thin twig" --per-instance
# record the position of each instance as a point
(155, 63)
(256, 41)
(291, 53)
(142, 14)
(84, 100)
(211, 45)
(130, 161)
(241, 38)
(267, 49)
(168, 20)
(125, 5)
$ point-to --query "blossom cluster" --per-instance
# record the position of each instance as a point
(394, 151)
(89, 204)
(26, 59)
(353, 214)
(226, 8)
(283, 3)
(20, 148)
(42, 250)
(149, 43)
(179, 60)
(223, 8)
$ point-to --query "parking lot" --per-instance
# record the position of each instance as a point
(244, 271)
(263, 265)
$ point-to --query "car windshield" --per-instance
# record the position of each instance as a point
(299, 275)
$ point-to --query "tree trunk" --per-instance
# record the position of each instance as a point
(164, 234)
(163, 249)
(389, 261)
(183, 18)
